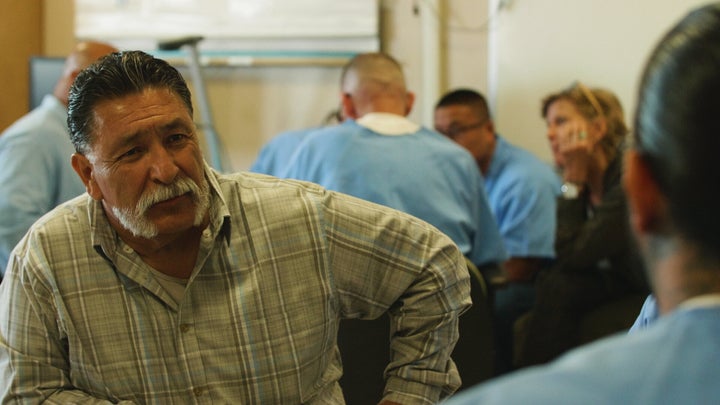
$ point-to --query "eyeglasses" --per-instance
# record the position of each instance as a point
(590, 97)
(454, 131)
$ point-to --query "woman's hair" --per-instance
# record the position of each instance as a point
(678, 126)
(117, 75)
(592, 104)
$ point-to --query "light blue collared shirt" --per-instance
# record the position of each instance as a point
(522, 192)
(274, 155)
(35, 171)
(386, 159)
(672, 361)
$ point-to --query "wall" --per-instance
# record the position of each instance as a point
(21, 19)
(252, 104)
(538, 47)
(58, 27)
(515, 54)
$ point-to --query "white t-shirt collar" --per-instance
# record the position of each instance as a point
(387, 123)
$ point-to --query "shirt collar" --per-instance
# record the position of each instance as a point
(701, 301)
(387, 123)
(219, 212)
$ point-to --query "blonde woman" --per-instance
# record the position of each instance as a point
(597, 260)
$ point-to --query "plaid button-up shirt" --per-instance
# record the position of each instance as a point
(81, 315)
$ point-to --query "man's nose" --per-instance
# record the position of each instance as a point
(163, 168)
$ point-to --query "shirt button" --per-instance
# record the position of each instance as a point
(198, 391)
(184, 327)
(127, 249)
(207, 234)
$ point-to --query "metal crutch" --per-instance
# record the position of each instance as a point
(190, 44)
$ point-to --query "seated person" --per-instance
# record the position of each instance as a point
(35, 171)
(171, 283)
(522, 192)
(675, 219)
(597, 259)
(379, 155)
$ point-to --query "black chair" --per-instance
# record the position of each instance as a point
(474, 352)
(365, 352)
(365, 348)
(614, 316)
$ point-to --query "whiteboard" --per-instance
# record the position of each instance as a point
(325, 25)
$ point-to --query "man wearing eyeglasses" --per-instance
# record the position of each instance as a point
(522, 192)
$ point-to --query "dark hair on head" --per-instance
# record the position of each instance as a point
(113, 76)
(467, 97)
(593, 103)
(677, 125)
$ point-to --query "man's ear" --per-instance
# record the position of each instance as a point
(84, 169)
(490, 127)
(648, 208)
(348, 106)
(409, 102)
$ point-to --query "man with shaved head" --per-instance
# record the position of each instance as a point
(379, 155)
(35, 170)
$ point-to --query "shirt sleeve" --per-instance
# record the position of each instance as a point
(33, 352)
(384, 260)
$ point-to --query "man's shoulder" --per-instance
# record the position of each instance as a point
(328, 135)
(632, 368)
(69, 222)
(244, 182)
(437, 143)
(292, 136)
(74, 212)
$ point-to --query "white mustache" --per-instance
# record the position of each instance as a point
(166, 192)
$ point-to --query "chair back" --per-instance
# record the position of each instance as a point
(474, 352)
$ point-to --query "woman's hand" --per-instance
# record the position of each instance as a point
(576, 147)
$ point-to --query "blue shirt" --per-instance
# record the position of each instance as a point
(274, 155)
(35, 171)
(673, 361)
(522, 192)
(421, 173)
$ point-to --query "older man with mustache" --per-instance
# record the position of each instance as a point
(171, 283)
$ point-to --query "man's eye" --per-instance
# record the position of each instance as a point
(132, 152)
(175, 138)
(454, 131)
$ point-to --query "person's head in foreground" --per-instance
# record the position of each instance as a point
(671, 178)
